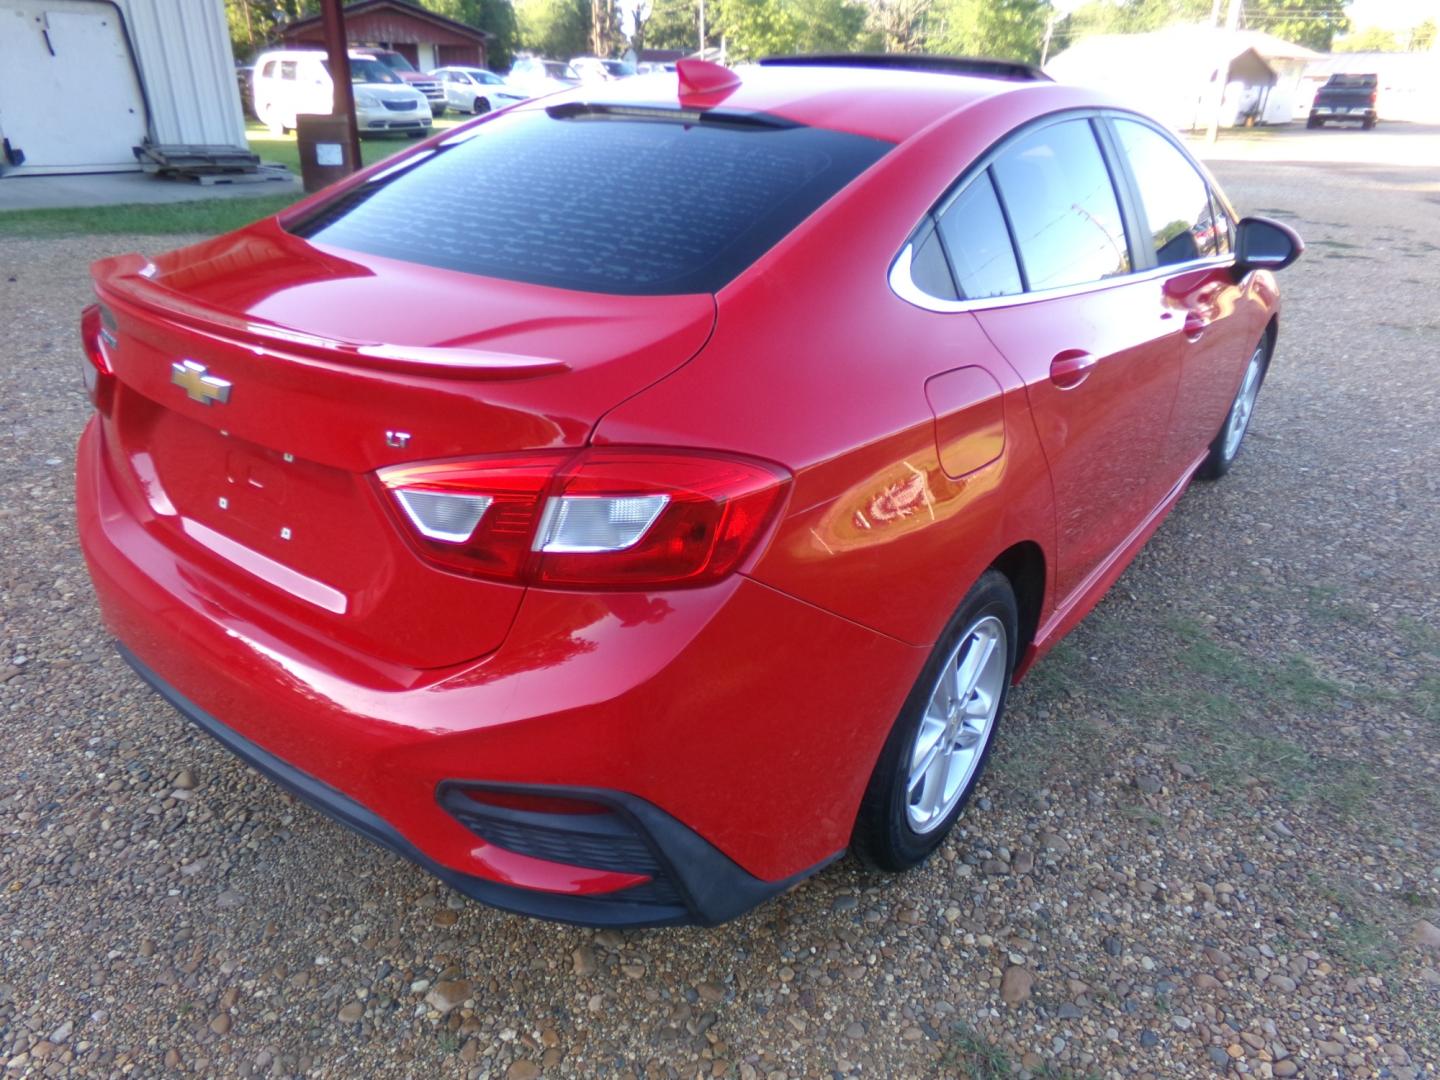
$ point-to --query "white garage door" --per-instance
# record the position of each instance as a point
(70, 98)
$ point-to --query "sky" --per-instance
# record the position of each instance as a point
(1392, 14)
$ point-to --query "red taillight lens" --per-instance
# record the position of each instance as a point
(477, 517)
(703, 515)
(97, 334)
(606, 518)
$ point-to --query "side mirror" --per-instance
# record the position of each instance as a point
(1262, 244)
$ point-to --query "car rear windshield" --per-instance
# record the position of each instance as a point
(600, 203)
(1351, 82)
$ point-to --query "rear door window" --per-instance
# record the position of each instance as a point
(287, 70)
(928, 268)
(580, 200)
(1174, 197)
(973, 228)
(1062, 206)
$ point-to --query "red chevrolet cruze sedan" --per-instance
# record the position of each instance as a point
(626, 503)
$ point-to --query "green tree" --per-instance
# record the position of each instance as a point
(497, 17)
(673, 24)
(1371, 39)
(754, 28)
(1422, 37)
(1312, 23)
(1008, 29)
(558, 28)
(897, 25)
(255, 24)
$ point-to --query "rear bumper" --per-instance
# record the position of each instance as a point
(730, 729)
(709, 888)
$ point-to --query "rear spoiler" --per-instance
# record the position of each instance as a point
(128, 281)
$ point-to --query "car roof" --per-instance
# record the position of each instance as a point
(877, 101)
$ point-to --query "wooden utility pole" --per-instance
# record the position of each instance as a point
(1049, 30)
(338, 50)
(1224, 53)
(702, 27)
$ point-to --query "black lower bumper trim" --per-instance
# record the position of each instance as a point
(715, 887)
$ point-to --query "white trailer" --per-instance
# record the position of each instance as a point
(85, 84)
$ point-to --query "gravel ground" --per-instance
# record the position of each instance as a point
(1210, 844)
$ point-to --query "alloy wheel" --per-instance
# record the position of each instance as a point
(957, 724)
(1244, 405)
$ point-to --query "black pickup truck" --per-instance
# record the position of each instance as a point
(1346, 97)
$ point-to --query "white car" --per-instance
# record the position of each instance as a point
(536, 76)
(289, 82)
(594, 69)
(475, 90)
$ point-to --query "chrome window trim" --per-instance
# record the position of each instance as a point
(903, 286)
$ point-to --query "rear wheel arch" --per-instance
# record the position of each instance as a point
(1023, 564)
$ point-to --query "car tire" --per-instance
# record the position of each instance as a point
(480, 106)
(437, 111)
(1225, 447)
(1313, 122)
(1368, 123)
(919, 788)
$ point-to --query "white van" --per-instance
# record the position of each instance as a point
(289, 82)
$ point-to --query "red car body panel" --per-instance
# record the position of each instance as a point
(209, 303)
(243, 555)
(616, 690)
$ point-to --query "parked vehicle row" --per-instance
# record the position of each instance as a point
(475, 90)
(428, 85)
(288, 82)
(391, 95)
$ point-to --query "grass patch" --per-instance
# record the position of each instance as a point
(1427, 697)
(1292, 681)
(1351, 930)
(1150, 818)
(1323, 602)
(283, 149)
(208, 216)
(966, 1054)
(1419, 636)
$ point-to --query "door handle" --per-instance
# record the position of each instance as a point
(1070, 368)
(1195, 325)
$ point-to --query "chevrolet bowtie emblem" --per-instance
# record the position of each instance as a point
(196, 381)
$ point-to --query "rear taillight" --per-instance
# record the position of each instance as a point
(97, 337)
(605, 518)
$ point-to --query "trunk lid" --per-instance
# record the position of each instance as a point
(330, 365)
